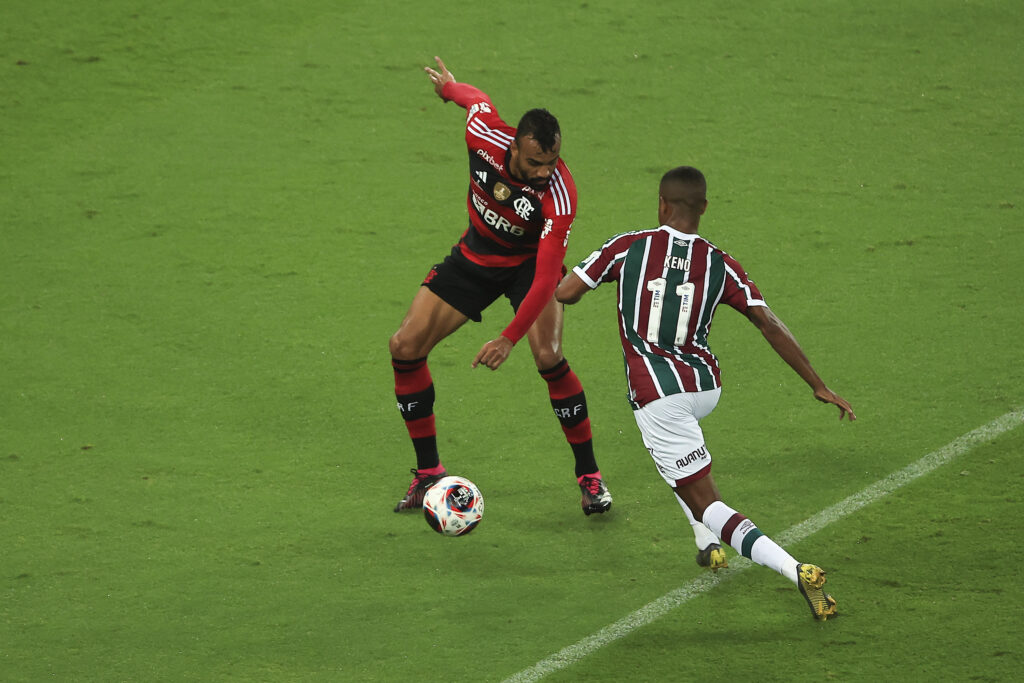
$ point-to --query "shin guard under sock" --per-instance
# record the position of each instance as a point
(744, 536)
(570, 406)
(414, 389)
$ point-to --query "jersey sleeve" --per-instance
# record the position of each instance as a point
(740, 292)
(604, 264)
(559, 210)
(473, 100)
(550, 254)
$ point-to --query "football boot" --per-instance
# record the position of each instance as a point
(712, 557)
(596, 497)
(810, 579)
(413, 499)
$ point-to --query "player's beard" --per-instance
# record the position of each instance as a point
(537, 182)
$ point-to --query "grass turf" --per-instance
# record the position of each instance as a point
(213, 218)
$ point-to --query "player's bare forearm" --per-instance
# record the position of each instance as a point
(571, 289)
(786, 346)
(784, 343)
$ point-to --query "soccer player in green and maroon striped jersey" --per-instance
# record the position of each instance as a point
(670, 281)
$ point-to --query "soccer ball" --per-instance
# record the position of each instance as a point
(453, 506)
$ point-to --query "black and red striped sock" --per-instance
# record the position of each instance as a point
(570, 406)
(414, 389)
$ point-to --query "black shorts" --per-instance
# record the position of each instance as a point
(470, 288)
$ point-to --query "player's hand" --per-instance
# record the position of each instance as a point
(439, 77)
(493, 353)
(826, 395)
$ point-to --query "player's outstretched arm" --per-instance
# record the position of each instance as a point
(439, 77)
(785, 344)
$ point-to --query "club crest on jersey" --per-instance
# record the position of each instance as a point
(501, 192)
(523, 207)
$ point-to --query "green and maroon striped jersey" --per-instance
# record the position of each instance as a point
(669, 285)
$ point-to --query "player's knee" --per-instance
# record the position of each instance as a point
(401, 348)
(547, 358)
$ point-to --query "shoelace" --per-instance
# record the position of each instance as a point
(592, 484)
(416, 480)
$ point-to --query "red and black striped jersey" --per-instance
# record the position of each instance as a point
(670, 284)
(509, 221)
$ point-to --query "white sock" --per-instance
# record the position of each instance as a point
(702, 535)
(744, 536)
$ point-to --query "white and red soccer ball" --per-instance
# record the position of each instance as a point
(453, 506)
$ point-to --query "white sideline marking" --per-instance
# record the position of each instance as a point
(658, 608)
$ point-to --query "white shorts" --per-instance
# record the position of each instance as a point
(671, 431)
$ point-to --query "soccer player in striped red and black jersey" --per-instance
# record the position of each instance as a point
(670, 281)
(521, 203)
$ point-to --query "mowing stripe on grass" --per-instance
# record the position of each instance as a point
(658, 608)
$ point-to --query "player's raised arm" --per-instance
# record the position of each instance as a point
(439, 77)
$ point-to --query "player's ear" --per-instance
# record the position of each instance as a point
(704, 207)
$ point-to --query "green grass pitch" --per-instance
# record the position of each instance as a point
(212, 217)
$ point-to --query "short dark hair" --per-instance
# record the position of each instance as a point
(542, 126)
(686, 185)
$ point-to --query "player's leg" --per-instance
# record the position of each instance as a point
(671, 431)
(429, 320)
(735, 529)
(709, 552)
(670, 428)
(738, 531)
(570, 405)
